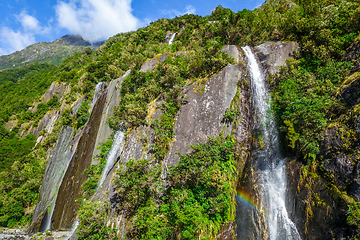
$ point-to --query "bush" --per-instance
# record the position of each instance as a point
(93, 217)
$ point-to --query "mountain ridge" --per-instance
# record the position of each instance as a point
(47, 52)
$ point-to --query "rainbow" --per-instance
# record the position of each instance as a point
(245, 198)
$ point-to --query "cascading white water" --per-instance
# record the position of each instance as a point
(172, 38)
(114, 151)
(73, 229)
(98, 88)
(269, 164)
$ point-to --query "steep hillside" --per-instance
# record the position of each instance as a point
(46, 52)
(202, 138)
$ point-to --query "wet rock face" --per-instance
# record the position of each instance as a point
(66, 206)
(340, 153)
(325, 219)
(201, 115)
(350, 92)
(276, 53)
(112, 99)
(54, 172)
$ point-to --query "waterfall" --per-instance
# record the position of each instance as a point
(268, 164)
(73, 229)
(98, 89)
(46, 222)
(172, 38)
(114, 151)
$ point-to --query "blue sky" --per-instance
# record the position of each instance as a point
(24, 22)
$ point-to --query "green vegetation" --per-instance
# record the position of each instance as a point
(21, 179)
(304, 101)
(19, 73)
(354, 214)
(94, 172)
(198, 197)
(93, 218)
(197, 202)
(43, 52)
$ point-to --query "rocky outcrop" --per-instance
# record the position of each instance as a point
(11, 124)
(276, 54)
(150, 64)
(76, 106)
(56, 88)
(233, 51)
(349, 91)
(47, 123)
(201, 115)
(66, 205)
(112, 100)
(54, 172)
(322, 197)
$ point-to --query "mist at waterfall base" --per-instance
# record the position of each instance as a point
(269, 173)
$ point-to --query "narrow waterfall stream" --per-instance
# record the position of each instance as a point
(172, 38)
(113, 153)
(98, 89)
(268, 164)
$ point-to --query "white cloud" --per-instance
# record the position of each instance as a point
(96, 19)
(28, 22)
(15, 40)
(174, 13)
(31, 25)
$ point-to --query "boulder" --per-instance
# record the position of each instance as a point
(150, 64)
(276, 53)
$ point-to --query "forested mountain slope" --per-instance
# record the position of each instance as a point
(136, 100)
(46, 52)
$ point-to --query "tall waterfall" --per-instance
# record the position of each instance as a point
(114, 151)
(268, 164)
(172, 38)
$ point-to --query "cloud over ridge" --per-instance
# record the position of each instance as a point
(96, 20)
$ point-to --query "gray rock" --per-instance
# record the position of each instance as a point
(168, 36)
(233, 51)
(355, 189)
(341, 167)
(11, 124)
(276, 53)
(350, 92)
(150, 64)
(201, 116)
(112, 99)
(70, 190)
(54, 172)
(77, 106)
(55, 88)
(46, 123)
